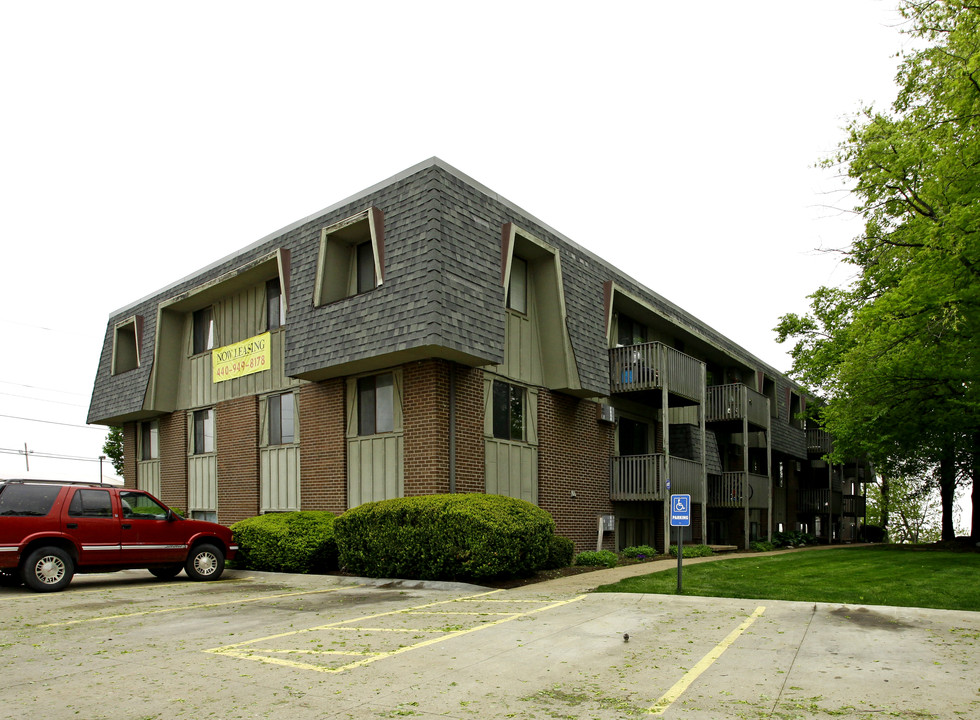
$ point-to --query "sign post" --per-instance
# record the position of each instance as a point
(680, 517)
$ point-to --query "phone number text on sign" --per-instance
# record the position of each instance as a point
(242, 358)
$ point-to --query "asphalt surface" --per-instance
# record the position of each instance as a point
(263, 645)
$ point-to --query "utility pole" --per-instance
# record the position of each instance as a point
(27, 461)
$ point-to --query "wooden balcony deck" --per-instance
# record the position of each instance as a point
(644, 477)
(818, 442)
(728, 491)
(651, 366)
(736, 401)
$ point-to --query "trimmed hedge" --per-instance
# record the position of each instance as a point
(597, 558)
(298, 542)
(561, 551)
(444, 537)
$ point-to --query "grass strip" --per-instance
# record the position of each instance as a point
(904, 576)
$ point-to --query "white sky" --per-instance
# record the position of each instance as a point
(142, 141)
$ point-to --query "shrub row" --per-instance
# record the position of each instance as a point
(433, 537)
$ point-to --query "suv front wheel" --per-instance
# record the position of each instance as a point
(205, 562)
(48, 569)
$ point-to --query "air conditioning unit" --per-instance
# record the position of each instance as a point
(608, 413)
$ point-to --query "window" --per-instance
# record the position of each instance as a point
(769, 390)
(508, 411)
(375, 404)
(27, 500)
(90, 503)
(275, 307)
(795, 410)
(282, 419)
(633, 437)
(150, 440)
(630, 331)
(139, 505)
(517, 290)
(126, 345)
(365, 267)
(203, 330)
(203, 431)
(351, 257)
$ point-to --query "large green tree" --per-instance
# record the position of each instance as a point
(895, 353)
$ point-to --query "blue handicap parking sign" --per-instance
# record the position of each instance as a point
(680, 510)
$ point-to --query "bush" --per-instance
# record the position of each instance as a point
(873, 533)
(300, 542)
(762, 546)
(693, 551)
(639, 552)
(444, 537)
(793, 538)
(595, 558)
(561, 550)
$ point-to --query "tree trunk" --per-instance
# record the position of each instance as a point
(947, 488)
(885, 499)
(975, 476)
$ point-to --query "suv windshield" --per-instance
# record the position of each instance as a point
(31, 500)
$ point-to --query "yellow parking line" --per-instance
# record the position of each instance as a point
(237, 650)
(191, 607)
(668, 698)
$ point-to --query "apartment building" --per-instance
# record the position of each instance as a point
(428, 336)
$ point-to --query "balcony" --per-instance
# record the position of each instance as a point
(819, 501)
(643, 477)
(728, 490)
(736, 402)
(654, 366)
(854, 505)
(818, 442)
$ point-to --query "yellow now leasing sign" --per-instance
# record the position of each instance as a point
(249, 356)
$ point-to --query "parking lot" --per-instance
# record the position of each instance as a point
(261, 645)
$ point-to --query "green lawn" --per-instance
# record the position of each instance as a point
(874, 575)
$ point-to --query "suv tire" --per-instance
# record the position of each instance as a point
(48, 569)
(205, 562)
(168, 572)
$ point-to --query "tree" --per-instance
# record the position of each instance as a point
(895, 353)
(910, 506)
(113, 448)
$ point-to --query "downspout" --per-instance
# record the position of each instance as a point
(452, 428)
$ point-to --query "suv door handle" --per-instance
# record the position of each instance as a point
(71, 526)
(126, 526)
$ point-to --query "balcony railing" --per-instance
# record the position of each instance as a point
(643, 477)
(818, 442)
(854, 505)
(819, 501)
(728, 491)
(649, 366)
(637, 477)
(736, 401)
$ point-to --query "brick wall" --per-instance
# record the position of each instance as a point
(129, 454)
(425, 420)
(573, 456)
(237, 440)
(470, 446)
(323, 446)
(173, 460)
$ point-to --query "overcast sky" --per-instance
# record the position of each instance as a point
(142, 141)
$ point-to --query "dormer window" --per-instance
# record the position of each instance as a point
(275, 307)
(351, 258)
(630, 331)
(126, 345)
(203, 330)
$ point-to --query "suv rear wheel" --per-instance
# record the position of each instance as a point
(168, 572)
(205, 562)
(48, 569)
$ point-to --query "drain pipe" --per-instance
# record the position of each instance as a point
(452, 427)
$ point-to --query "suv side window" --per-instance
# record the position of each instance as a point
(90, 503)
(27, 500)
(137, 505)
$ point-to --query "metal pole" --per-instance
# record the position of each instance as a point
(680, 558)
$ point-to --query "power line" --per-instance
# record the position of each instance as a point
(52, 422)
(48, 456)
(38, 387)
(28, 397)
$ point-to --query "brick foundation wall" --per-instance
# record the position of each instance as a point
(574, 447)
(237, 440)
(173, 460)
(129, 454)
(323, 446)
(470, 446)
(425, 421)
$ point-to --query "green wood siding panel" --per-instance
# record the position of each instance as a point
(375, 468)
(148, 476)
(511, 469)
(279, 478)
(202, 482)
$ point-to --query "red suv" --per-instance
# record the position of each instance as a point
(51, 530)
